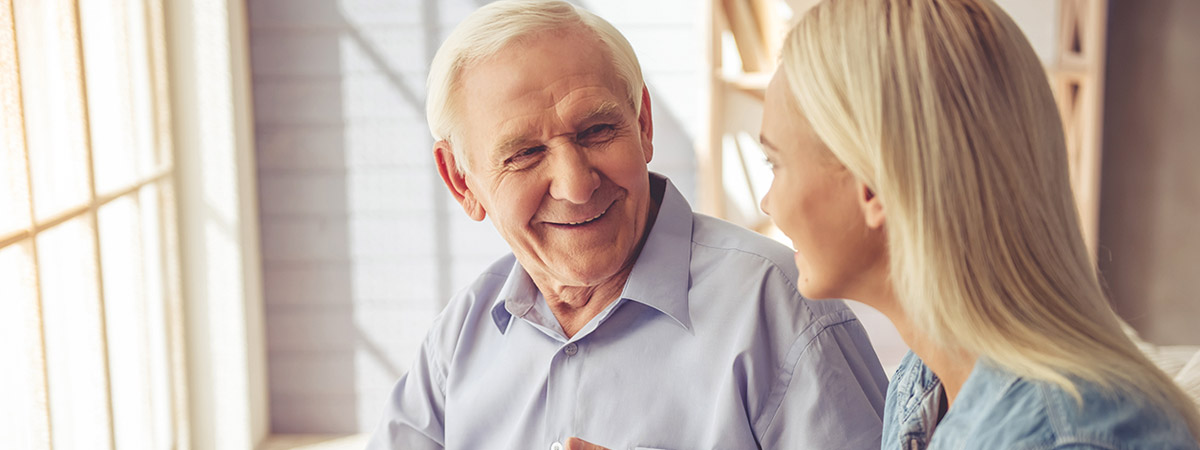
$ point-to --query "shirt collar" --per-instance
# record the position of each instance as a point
(918, 412)
(919, 393)
(517, 297)
(659, 278)
(661, 275)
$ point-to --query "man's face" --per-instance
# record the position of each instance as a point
(557, 157)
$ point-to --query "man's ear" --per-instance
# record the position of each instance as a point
(646, 126)
(872, 206)
(456, 181)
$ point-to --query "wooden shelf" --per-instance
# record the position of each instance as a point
(756, 28)
(754, 84)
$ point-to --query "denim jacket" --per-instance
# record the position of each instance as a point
(996, 409)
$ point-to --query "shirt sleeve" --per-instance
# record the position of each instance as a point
(415, 412)
(833, 398)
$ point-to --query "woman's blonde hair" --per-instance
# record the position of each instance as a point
(496, 25)
(942, 108)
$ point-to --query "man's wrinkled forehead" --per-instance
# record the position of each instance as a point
(517, 83)
(585, 45)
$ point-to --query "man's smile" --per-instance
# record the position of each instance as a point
(583, 221)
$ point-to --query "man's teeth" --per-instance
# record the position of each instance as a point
(589, 220)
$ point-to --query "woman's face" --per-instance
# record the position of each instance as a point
(818, 204)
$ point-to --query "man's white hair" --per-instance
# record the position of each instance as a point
(495, 25)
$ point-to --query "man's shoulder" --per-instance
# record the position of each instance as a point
(500, 268)
(482, 290)
(725, 237)
(473, 303)
(729, 260)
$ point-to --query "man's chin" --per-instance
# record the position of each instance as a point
(583, 273)
(591, 264)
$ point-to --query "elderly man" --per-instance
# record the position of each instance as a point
(621, 317)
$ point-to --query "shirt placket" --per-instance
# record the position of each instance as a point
(562, 390)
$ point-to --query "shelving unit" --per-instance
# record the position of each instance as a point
(744, 41)
(1078, 80)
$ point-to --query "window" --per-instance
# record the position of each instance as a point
(90, 310)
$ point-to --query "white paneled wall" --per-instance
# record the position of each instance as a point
(361, 244)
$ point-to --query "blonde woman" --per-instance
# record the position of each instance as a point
(920, 168)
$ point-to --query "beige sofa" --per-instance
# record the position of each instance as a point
(1181, 362)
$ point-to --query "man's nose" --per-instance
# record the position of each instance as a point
(572, 176)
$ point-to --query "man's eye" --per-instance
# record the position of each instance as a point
(525, 154)
(597, 133)
(531, 151)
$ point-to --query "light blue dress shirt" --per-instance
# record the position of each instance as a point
(709, 346)
(996, 409)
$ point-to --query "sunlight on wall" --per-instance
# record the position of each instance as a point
(220, 239)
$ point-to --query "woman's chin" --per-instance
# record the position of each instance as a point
(817, 295)
(812, 289)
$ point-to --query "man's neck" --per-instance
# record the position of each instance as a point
(575, 306)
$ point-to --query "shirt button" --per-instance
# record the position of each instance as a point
(556, 446)
(571, 349)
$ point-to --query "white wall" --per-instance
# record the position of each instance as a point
(361, 245)
(1038, 19)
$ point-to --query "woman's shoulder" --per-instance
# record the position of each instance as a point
(1023, 413)
(1116, 417)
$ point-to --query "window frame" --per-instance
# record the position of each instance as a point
(90, 207)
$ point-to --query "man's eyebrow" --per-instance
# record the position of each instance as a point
(512, 144)
(606, 111)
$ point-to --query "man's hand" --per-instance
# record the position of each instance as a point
(580, 444)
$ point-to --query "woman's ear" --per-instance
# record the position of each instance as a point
(456, 180)
(872, 207)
